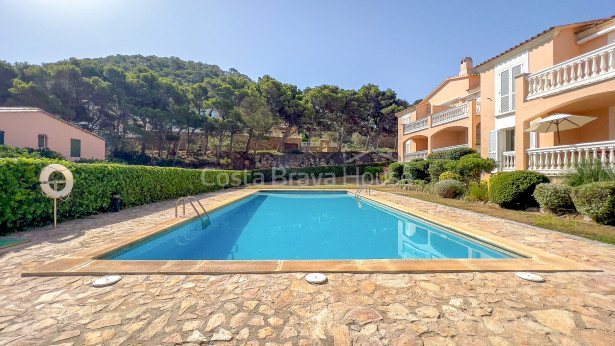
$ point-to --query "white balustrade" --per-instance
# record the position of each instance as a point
(415, 155)
(508, 161)
(449, 148)
(564, 158)
(417, 125)
(449, 115)
(585, 69)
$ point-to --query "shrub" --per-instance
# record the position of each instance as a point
(417, 169)
(15, 152)
(478, 192)
(22, 204)
(450, 175)
(589, 172)
(597, 201)
(396, 171)
(449, 188)
(436, 168)
(472, 168)
(513, 190)
(471, 156)
(272, 152)
(452, 154)
(555, 198)
(372, 172)
(402, 182)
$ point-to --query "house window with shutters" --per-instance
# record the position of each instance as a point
(1, 137)
(75, 148)
(507, 88)
(42, 141)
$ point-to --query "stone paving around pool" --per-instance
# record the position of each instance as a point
(570, 308)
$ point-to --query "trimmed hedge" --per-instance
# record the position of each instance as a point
(449, 188)
(471, 168)
(450, 175)
(452, 154)
(514, 190)
(554, 198)
(597, 201)
(266, 175)
(372, 172)
(22, 204)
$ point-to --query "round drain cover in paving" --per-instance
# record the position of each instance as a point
(316, 278)
(530, 277)
(107, 280)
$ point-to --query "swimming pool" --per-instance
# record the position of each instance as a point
(309, 225)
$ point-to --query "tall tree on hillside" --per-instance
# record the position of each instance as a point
(227, 93)
(7, 74)
(379, 115)
(257, 118)
(286, 102)
(119, 91)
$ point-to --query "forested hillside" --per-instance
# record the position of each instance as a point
(155, 101)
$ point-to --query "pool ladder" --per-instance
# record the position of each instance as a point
(365, 188)
(191, 199)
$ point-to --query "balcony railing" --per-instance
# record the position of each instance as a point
(449, 115)
(564, 158)
(508, 161)
(449, 148)
(415, 155)
(417, 125)
(585, 69)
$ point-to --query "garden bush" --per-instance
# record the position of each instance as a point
(436, 168)
(471, 156)
(449, 188)
(589, 172)
(417, 169)
(514, 190)
(452, 154)
(396, 171)
(554, 198)
(472, 168)
(450, 175)
(371, 172)
(22, 204)
(596, 201)
(15, 152)
(477, 192)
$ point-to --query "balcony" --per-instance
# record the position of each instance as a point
(415, 155)
(508, 161)
(440, 118)
(415, 126)
(449, 115)
(585, 69)
(563, 158)
(449, 148)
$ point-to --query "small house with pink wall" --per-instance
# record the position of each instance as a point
(34, 128)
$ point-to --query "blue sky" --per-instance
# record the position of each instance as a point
(408, 46)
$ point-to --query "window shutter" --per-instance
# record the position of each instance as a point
(75, 148)
(408, 144)
(493, 144)
(1, 137)
(504, 91)
(516, 71)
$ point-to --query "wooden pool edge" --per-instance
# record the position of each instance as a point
(88, 262)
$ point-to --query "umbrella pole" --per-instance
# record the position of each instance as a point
(558, 139)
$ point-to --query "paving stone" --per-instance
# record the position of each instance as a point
(363, 315)
(556, 319)
(215, 321)
(265, 332)
(222, 335)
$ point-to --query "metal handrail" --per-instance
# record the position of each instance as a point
(191, 199)
(361, 188)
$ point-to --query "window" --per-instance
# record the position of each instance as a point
(1, 137)
(507, 88)
(75, 148)
(42, 141)
(509, 139)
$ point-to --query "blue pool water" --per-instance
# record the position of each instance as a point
(309, 225)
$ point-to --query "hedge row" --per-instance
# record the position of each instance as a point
(266, 175)
(22, 204)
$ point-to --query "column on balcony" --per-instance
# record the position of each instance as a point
(474, 120)
(522, 138)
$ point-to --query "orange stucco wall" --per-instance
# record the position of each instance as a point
(21, 129)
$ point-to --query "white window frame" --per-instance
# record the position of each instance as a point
(508, 65)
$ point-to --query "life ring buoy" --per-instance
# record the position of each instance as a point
(46, 187)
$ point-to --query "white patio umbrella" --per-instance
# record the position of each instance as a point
(559, 122)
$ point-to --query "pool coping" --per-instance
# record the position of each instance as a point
(88, 262)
